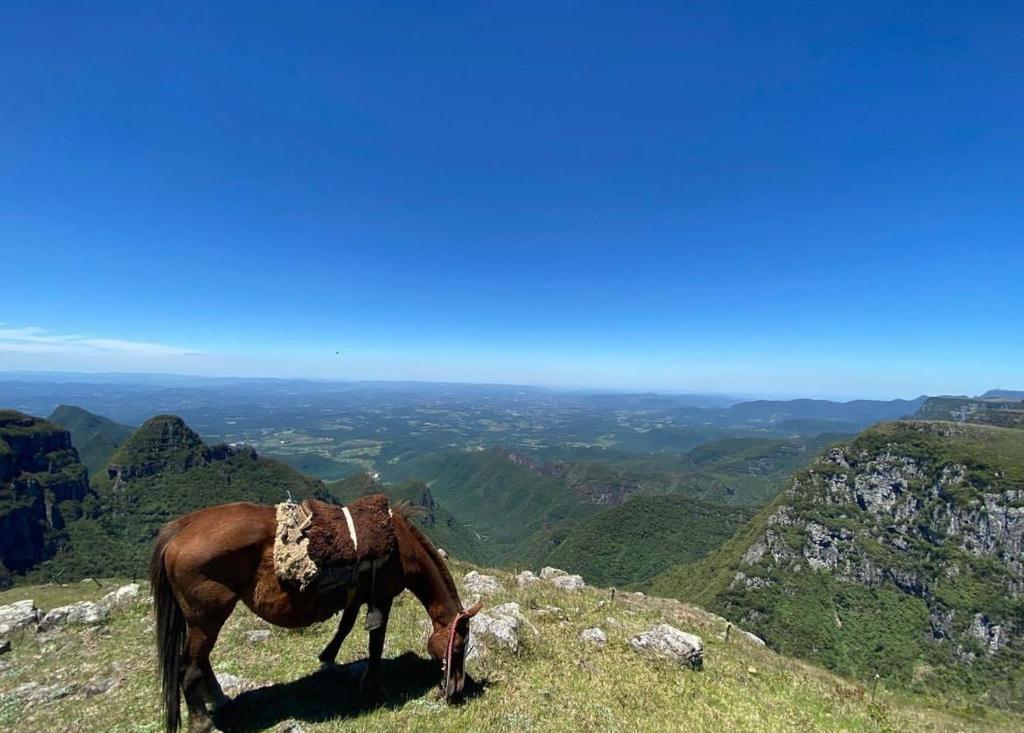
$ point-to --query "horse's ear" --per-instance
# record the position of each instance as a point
(473, 610)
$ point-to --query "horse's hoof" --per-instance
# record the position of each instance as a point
(202, 725)
(328, 665)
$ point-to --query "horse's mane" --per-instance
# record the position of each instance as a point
(408, 512)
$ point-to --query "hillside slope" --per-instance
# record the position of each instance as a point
(95, 437)
(898, 553)
(101, 678)
(504, 503)
(628, 545)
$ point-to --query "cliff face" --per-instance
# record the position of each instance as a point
(900, 553)
(41, 478)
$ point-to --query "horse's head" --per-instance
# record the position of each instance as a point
(448, 646)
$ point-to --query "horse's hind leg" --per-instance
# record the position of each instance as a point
(348, 620)
(199, 683)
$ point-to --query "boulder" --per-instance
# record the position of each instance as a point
(123, 596)
(550, 573)
(33, 693)
(569, 582)
(670, 643)
(18, 615)
(497, 627)
(526, 578)
(258, 636)
(752, 638)
(99, 686)
(594, 636)
(83, 612)
(478, 585)
(233, 685)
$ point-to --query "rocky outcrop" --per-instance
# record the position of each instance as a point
(594, 636)
(498, 627)
(18, 615)
(477, 584)
(41, 479)
(923, 519)
(670, 643)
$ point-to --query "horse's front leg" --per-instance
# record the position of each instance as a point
(348, 620)
(371, 679)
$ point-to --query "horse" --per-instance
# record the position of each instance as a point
(205, 562)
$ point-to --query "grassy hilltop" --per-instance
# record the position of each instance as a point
(556, 682)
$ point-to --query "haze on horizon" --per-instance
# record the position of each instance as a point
(790, 200)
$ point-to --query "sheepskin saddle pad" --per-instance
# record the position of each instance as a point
(326, 546)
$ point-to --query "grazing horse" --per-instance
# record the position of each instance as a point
(207, 561)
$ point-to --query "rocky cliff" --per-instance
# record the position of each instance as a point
(898, 554)
(41, 480)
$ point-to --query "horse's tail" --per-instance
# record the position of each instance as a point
(170, 629)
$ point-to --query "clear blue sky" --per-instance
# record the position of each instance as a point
(777, 198)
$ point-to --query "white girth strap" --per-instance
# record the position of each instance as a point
(351, 527)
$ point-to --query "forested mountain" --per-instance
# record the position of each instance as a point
(94, 437)
(897, 553)
(54, 525)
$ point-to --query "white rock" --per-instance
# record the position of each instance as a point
(480, 585)
(33, 693)
(232, 684)
(671, 643)
(443, 553)
(594, 636)
(18, 615)
(487, 631)
(510, 609)
(123, 596)
(569, 582)
(526, 578)
(752, 638)
(548, 611)
(550, 573)
(83, 612)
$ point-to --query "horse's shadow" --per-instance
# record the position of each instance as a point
(333, 693)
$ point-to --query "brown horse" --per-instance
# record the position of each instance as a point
(205, 562)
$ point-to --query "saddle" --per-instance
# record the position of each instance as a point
(323, 547)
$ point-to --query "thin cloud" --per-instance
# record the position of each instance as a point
(36, 340)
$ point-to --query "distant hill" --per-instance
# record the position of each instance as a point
(857, 412)
(630, 544)
(314, 464)
(94, 437)
(1010, 394)
(502, 501)
(897, 553)
(1004, 411)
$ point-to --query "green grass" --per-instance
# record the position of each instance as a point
(556, 683)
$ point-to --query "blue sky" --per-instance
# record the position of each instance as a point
(759, 198)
